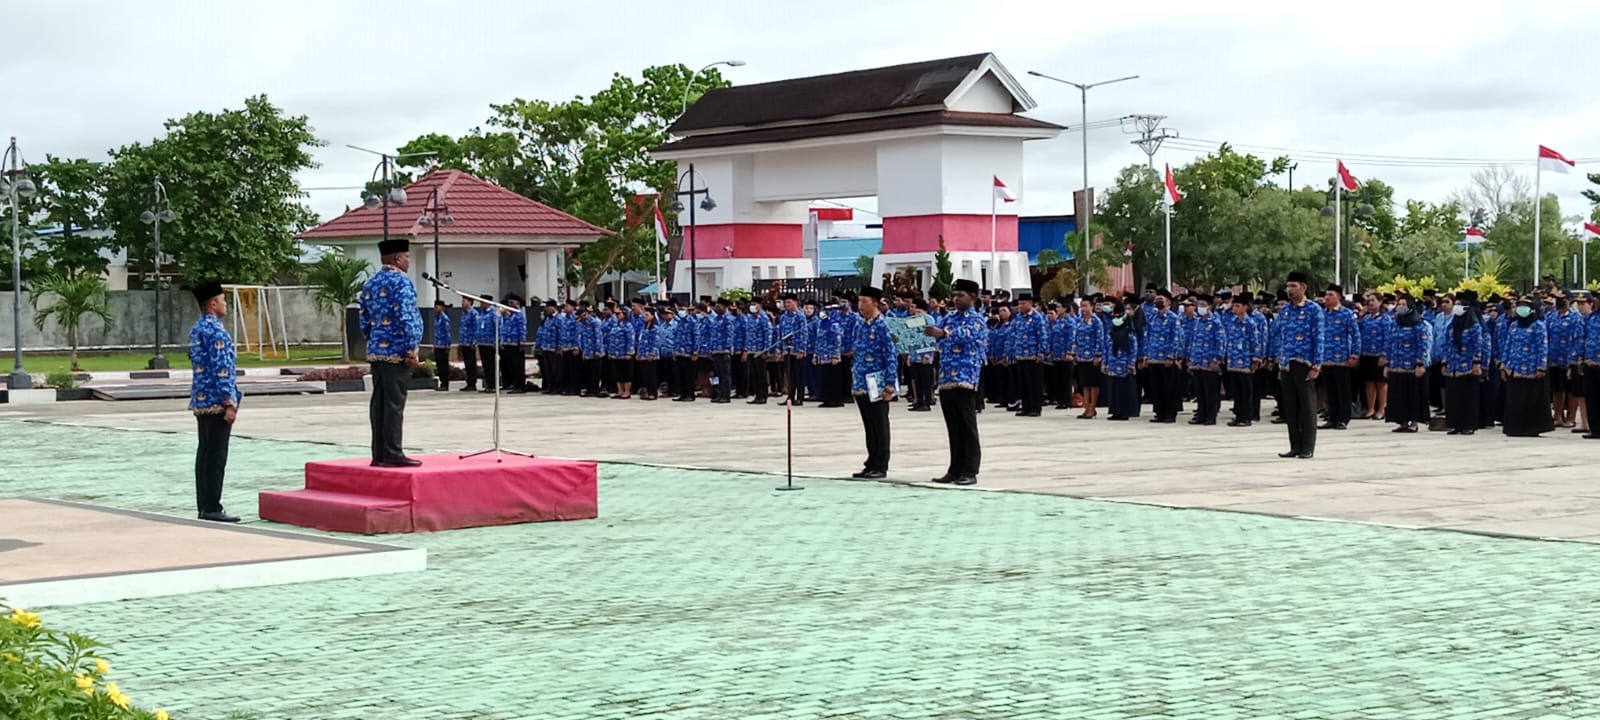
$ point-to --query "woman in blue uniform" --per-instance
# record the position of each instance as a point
(1465, 353)
(1524, 357)
(1120, 364)
(1406, 352)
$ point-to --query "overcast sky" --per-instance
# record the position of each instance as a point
(1491, 79)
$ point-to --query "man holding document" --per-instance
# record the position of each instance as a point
(874, 377)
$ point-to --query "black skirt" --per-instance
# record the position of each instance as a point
(1527, 409)
(622, 370)
(1462, 394)
(1123, 396)
(1369, 370)
(1088, 374)
(1408, 399)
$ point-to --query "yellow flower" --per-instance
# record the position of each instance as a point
(102, 667)
(84, 682)
(161, 715)
(11, 657)
(24, 618)
(117, 698)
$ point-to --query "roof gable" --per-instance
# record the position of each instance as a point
(479, 207)
(912, 87)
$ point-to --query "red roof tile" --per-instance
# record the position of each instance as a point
(478, 206)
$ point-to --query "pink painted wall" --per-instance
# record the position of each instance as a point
(751, 240)
(920, 233)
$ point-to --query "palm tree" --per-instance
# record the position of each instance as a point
(336, 281)
(72, 298)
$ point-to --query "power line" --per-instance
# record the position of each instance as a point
(1201, 144)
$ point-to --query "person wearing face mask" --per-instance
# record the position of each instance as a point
(1586, 360)
(1466, 354)
(1562, 325)
(756, 337)
(1491, 395)
(1163, 350)
(792, 328)
(1061, 363)
(1301, 342)
(1244, 346)
(1029, 343)
(827, 353)
(1206, 343)
(1524, 361)
(1374, 326)
(1407, 352)
(1088, 345)
(1120, 363)
(1342, 356)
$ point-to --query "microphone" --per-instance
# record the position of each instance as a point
(434, 280)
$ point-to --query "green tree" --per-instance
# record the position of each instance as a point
(68, 299)
(944, 275)
(71, 195)
(336, 282)
(230, 178)
(864, 268)
(585, 156)
(1511, 237)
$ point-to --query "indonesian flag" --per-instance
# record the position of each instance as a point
(1346, 179)
(1591, 231)
(1002, 192)
(661, 226)
(1474, 235)
(1554, 161)
(1127, 250)
(1173, 194)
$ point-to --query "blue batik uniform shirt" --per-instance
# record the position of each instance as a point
(1300, 335)
(1030, 338)
(963, 349)
(1590, 354)
(1374, 328)
(469, 327)
(442, 336)
(829, 344)
(1245, 342)
(389, 316)
(1088, 340)
(1163, 341)
(792, 326)
(1343, 336)
(1204, 341)
(1473, 350)
(1526, 350)
(213, 387)
(1409, 348)
(875, 353)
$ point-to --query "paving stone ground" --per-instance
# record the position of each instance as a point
(706, 594)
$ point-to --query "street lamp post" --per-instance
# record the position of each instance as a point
(706, 204)
(14, 186)
(1365, 210)
(690, 83)
(160, 212)
(1083, 92)
(434, 215)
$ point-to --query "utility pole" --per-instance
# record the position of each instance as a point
(1292, 166)
(1151, 135)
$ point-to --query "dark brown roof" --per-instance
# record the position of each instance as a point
(852, 127)
(917, 84)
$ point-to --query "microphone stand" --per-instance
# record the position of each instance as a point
(788, 419)
(496, 449)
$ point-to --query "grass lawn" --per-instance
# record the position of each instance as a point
(91, 363)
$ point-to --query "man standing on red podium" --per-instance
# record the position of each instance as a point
(393, 326)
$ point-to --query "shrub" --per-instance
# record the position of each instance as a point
(53, 675)
(425, 370)
(61, 379)
(352, 372)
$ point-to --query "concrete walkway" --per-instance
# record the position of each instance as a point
(1486, 483)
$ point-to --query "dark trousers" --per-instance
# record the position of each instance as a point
(487, 358)
(571, 373)
(513, 369)
(1337, 386)
(469, 363)
(1461, 402)
(1591, 395)
(922, 383)
(875, 418)
(646, 381)
(591, 375)
(794, 378)
(211, 461)
(1031, 375)
(667, 370)
(1298, 401)
(1246, 404)
(1166, 397)
(549, 373)
(741, 375)
(722, 376)
(387, 412)
(1207, 395)
(441, 366)
(683, 369)
(759, 384)
(960, 408)
(1436, 384)
(831, 383)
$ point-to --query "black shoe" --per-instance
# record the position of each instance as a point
(1304, 456)
(944, 479)
(398, 462)
(441, 389)
(965, 480)
(1031, 413)
(921, 408)
(1290, 454)
(468, 388)
(1279, 421)
(757, 401)
(1342, 426)
(1592, 436)
(1117, 418)
(1196, 421)
(1239, 423)
(1328, 426)
(871, 475)
(1469, 432)
(218, 516)
(1453, 431)
(859, 474)
(1405, 429)
(829, 405)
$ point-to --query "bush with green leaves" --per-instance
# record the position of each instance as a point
(61, 379)
(54, 675)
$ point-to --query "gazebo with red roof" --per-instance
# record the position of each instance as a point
(500, 242)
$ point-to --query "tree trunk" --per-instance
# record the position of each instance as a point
(72, 339)
(605, 267)
(344, 339)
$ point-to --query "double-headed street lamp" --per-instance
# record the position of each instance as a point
(384, 174)
(1083, 92)
(706, 204)
(434, 215)
(690, 83)
(1346, 249)
(16, 185)
(160, 212)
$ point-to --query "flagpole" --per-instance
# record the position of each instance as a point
(661, 283)
(1338, 209)
(1537, 173)
(1169, 238)
(994, 256)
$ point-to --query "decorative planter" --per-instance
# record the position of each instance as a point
(422, 383)
(334, 386)
(65, 394)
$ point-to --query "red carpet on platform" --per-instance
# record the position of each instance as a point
(444, 493)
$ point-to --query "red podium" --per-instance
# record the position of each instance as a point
(445, 492)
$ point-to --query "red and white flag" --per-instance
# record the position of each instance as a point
(1554, 161)
(1591, 231)
(1347, 180)
(1127, 250)
(1173, 194)
(661, 227)
(1002, 192)
(1474, 235)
